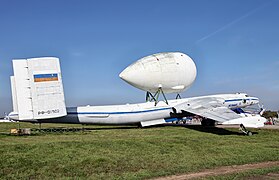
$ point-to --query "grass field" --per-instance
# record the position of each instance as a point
(251, 174)
(129, 152)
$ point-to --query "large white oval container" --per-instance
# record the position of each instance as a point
(174, 72)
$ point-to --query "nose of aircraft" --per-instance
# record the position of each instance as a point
(261, 121)
(254, 100)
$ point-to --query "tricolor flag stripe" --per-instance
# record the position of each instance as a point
(45, 77)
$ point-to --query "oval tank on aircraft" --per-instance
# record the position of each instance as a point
(174, 72)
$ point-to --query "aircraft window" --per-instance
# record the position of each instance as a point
(246, 95)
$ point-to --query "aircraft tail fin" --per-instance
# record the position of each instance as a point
(37, 88)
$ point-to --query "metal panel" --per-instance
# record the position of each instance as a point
(37, 88)
(46, 87)
(23, 91)
(152, 122)
(13, 86)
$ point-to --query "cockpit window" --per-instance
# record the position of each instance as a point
(246, 95)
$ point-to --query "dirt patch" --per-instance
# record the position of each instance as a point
(223, 170)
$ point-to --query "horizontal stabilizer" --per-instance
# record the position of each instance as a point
(152, 122)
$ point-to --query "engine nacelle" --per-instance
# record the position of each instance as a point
(174, 72)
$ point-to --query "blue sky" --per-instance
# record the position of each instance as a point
(235, 44)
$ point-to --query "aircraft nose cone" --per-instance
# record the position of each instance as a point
(129, 75)
(122, 75)
(125, 75)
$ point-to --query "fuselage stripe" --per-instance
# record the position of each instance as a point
(131, 112)
(230, 100)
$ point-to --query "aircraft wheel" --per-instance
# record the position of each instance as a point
(204, 122)
(249, 133)
(208, 122)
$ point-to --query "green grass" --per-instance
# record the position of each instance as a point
(250, 174)
(130, 153)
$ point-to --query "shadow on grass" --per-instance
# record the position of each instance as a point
(212, 130)
(80, 129)
(4, 134)
(60, 130)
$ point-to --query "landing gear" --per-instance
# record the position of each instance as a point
(150, 97)
(208, 122)
(249, 133)
(245, 131)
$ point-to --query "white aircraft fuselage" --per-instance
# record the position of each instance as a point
(133, 114)
(38, 96)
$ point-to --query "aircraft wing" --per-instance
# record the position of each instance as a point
(214, 108)
(208, 107)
